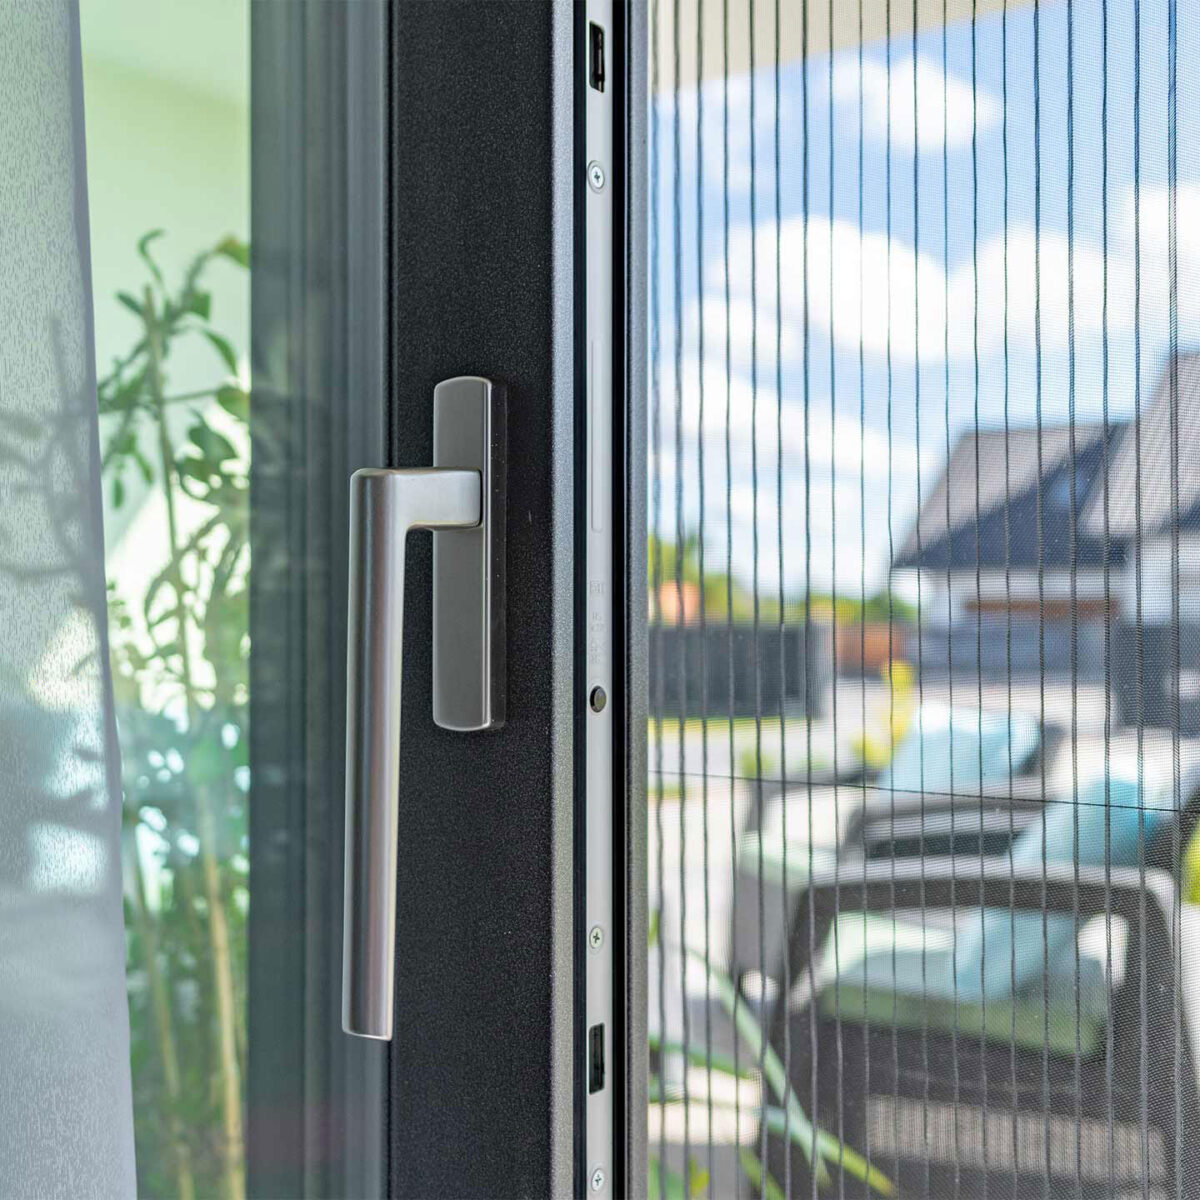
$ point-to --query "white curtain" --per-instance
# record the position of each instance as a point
(66, 1124)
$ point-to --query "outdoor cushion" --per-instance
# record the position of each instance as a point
(958, 750)
(882, 988)
(1002, 941)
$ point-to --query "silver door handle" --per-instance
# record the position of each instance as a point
(461, 497)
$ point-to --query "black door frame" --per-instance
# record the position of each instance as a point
(630, 431)
(482, 265)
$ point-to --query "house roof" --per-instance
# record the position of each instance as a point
(1147, 501)
(979, 514)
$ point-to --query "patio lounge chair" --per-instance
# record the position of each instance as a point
(968, 824)
(1071, 1082)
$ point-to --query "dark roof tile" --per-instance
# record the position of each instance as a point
(1002, 489)
(1153, 439)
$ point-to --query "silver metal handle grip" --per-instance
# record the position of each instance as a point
(463, 495)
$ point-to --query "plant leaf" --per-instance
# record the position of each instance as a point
(235, 401)
(143, 249)
(828, 1146)
(698, 1179)
(773, 1071)
(193, 468)
(131, 303)
(200, 303)
(760, 1180)
(854, 1164)
(214, 446)
(722, 1063)
(666, 1184)
(234, 249)
(223, 348)
(776, 1120)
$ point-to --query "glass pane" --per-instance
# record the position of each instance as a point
(167, 107)
(924, 703)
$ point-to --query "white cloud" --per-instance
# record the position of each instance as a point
(1039, 280)
(864, 271)
(1155, 207)
(845, 459)
(893, 300)
(836, 442)
(1152, 218)
(945, 104)
(742, 320)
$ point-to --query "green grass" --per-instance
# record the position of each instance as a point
(668, 790)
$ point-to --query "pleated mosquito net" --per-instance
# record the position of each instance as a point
(924, 577)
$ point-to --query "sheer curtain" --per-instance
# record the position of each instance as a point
(66, 1124)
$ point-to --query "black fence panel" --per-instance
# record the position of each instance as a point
(690, 671)
(1156, 675)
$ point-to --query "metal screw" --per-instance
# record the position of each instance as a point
(595, 176)
(596, 937)
(598, 1179)
(597, 699)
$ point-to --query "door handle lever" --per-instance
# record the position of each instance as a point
(462, 499)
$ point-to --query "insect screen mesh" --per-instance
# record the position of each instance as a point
(924, 597)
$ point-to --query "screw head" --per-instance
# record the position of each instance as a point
(595, 937)
(595, 174)
(598, 1179)
(597, 699)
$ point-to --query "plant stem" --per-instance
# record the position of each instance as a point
(231, 1085)
(182, 396)
(181, 1153)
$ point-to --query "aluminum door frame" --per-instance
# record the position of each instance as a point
(611, 98)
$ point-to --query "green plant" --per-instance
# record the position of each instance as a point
(180, 650)
(752, 766)
(668, 1184)
(785, 1118)
(876, 746)
(725, 594)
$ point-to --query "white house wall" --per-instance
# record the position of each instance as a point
(954, 598)
(1156, 575)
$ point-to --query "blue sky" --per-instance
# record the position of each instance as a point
(925, 264)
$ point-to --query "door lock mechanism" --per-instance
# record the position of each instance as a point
(461, 498)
